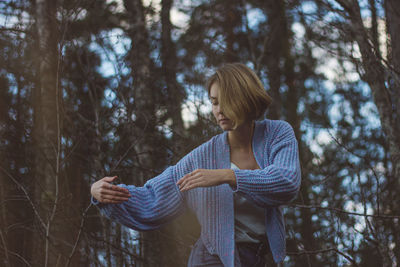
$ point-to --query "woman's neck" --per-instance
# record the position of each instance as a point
(241, 137)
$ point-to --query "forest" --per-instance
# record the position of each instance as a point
(94, 88)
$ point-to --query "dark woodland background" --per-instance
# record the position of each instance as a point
(93, 88)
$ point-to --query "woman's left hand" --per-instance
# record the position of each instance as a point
(206, 178)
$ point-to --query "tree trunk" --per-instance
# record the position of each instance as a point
(178, 235)
(144, 108)
(51, 233)
(176, 93)
(293, 84)
(392, 9)
(275, 11)
(393, 25)
(232, 17)
(384, 95)
(15, 211)
(4, 216)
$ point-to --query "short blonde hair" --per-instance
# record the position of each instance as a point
(241, 94)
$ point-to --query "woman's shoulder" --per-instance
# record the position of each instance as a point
(274, 125)
(276, 129)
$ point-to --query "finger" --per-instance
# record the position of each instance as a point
(183, 179)
(192, 184)
(109, 192)
(197, 171)
(114, 198)
(110, 179)
(109, 186)
(186, 181)
(180, 181)
(119, 189)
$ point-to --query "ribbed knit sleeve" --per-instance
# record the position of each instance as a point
(150, 206)
(279, 182)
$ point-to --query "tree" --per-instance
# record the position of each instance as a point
(382, 76)
(100, 88)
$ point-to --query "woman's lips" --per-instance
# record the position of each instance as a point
(224, 120)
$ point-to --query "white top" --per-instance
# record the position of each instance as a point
(249, 218)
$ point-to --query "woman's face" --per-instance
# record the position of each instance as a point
(225, 123)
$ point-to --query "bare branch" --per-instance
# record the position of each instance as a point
(5, 247)
(381, 216)
(305, 252)
(79, 235)
(26, 195)
(18, 256)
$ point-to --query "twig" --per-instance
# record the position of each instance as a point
(251, 45)
(20, 257)
(78, 237)
(380, 216)
(5, 247)
(26, 194)
(305, 252)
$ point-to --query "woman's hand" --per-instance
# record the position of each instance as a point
(206, 178)
(105, 192)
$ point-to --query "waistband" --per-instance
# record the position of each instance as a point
(259, 249)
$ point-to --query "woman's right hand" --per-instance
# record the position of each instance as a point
(105, 192)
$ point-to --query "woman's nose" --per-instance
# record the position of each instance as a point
(219, 110)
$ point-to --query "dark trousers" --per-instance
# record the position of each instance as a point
(252, 254)
(248, 255)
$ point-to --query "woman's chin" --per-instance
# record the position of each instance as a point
(226, 127)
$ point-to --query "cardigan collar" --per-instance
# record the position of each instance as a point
(258, 138)
(223, 161)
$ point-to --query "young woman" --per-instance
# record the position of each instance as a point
(235, 183)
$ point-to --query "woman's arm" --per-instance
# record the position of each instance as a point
(149, 206)
(275, 185)
(279, 182)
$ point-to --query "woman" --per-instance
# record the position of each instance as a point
(235, 183)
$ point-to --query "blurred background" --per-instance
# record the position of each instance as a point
(94, 88)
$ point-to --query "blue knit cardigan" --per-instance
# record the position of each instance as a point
(275, 184)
